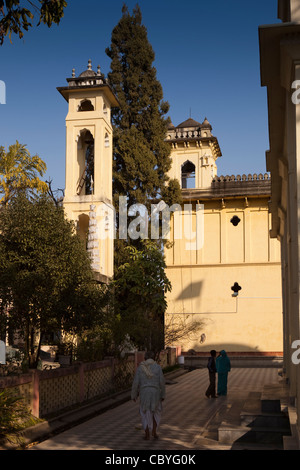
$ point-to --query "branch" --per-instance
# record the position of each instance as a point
(52, 194)
(178, 328)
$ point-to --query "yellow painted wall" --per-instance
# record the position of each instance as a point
(202, 279)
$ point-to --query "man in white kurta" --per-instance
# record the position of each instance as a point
(149, 385)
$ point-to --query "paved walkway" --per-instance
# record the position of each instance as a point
(189, 420)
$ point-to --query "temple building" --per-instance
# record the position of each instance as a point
(225, 269)
(228, 275)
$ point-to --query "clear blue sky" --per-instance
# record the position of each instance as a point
(207, 60)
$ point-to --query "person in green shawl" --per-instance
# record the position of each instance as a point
(223, 367)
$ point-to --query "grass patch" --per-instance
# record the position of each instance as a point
(171, 368)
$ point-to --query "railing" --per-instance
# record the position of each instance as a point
(47, 392)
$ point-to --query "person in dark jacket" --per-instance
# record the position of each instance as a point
(211, 365)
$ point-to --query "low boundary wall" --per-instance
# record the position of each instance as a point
(237, 360)
(47, 392)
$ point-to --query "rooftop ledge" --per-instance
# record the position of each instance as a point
(232, 186)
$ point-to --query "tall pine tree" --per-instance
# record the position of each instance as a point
(141, 154)
(141, 164)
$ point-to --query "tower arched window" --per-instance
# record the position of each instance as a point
(188, 171)
(89, 165)
(86, 105)
(86, 159)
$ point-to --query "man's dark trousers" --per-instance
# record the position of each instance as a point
(211, 391)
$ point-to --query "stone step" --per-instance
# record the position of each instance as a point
(265, 419)
(228, 434)
(254, 446)
(262, 422)
(268, 405)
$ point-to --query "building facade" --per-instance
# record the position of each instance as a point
(280, 74)
(225, 243)
(229, 216)
(88, 187)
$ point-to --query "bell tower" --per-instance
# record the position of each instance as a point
(88, 184)
(194, 151)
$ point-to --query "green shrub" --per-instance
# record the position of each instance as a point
(14, 414)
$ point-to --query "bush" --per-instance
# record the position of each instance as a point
(14, 415)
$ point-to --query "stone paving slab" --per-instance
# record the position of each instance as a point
(189, 420)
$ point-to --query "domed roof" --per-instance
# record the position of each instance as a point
(205, 123)
(88, 72)
(189, 123)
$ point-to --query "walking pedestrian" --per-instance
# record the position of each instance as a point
(223, 367)
(149, 385)
(211, 365)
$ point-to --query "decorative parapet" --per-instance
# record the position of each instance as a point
(232, 186)
(238, 178)
(179, 134)
(87, 78)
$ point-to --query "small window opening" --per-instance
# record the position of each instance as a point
(235, 288)
(89, 168)
(86, 180)
(235, 220)
(188, 175)
(86, 105)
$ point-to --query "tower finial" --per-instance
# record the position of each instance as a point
(89, 64)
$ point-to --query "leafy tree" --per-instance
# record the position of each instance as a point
(140, 287)
(16, 18)
(19, 172)
(46, 279)
(141, 154)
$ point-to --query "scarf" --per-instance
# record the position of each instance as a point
(145, 366)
